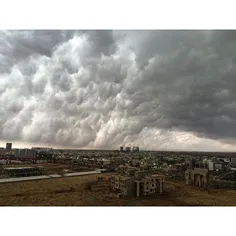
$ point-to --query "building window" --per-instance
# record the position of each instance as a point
(153, 185)
(147, 183)
(152, 180)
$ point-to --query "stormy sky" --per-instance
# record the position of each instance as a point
(160, 90)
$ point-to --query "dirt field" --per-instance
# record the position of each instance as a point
(197, 196)
(72, 192)
(50, 192)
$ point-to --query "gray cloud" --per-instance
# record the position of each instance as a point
(101, 89)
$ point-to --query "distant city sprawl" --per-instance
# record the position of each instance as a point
(126, 176)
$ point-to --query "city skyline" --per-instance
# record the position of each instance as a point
(159, 90)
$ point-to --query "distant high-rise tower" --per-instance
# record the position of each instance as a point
(8, 146)
(135, 149)
(121, 149)
(1, 168)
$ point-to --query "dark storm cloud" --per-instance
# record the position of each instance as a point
(18, 45)
(102, 42)
(156, 89)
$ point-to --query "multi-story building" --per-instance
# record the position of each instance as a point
(136, 149)
(149, 185)
(142, 183)
(233, 161)
(23, 153)
(127, 170)
(141, 174)
(115, 182)
(136, 162)
(8, 146)
(215, 165)
(127, 186)
(105, 161)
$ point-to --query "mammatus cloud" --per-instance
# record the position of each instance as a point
(172, 90)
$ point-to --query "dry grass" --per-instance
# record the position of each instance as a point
(74, 191)
(197, 196)
(51, 192)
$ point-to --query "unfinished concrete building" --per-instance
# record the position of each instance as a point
(127, 186)
(123, 184)
(197, 177)
(142, 183)
(136, 162)
(127, 170)
(149, 185)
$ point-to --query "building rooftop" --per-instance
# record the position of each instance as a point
(24, 178)
(125, 177)
(24, 167)
(83, 173)
(156, 175)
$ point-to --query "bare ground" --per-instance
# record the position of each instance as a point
(73, 192)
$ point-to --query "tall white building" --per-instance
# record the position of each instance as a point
(233, 161)
(213, 165)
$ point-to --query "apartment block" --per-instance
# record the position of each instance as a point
(127, 186)
(115, 182)
(142, 183)
(149, 185)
